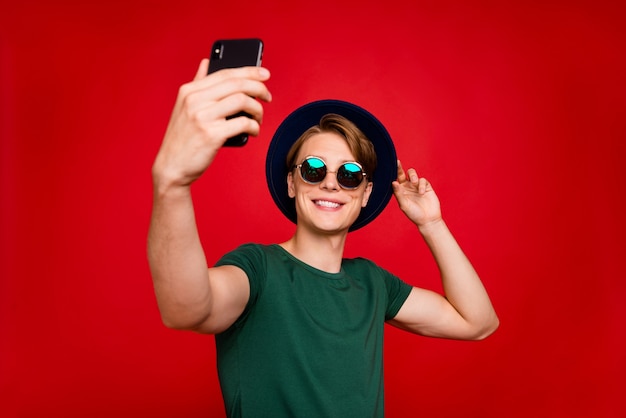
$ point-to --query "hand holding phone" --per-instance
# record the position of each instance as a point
(232, 53)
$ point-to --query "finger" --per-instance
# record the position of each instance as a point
(413, 177)
(422, 185)
(252, 88)
(202, 69)
(397, 190)
(401, 174)
(242, 124)
(234, 104)
(216, 117)
(235, 126)
(252, 73)
(236, 95)
(224, 82)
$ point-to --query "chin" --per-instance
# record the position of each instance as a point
(329, 223)
(332, 227)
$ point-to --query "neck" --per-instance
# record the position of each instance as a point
(324, 252)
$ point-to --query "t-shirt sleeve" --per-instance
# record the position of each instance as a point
(397, 292)
(251, 259)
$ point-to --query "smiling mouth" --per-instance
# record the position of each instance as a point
(327, 204)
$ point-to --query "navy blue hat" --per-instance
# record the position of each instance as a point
(309, 115)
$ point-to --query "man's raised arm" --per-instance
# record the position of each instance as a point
(189, 294)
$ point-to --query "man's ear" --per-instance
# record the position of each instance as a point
(367, 193)
(291, 191)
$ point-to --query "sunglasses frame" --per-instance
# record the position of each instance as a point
(299, 167)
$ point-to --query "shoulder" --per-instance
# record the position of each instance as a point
(251, 258)
(363, 265)
(365, 269)
(248, 247)
(395, 291)
(250, 251)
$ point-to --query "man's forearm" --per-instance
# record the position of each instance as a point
(462, 285)
(177, 260)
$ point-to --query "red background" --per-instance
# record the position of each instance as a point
(515, 112)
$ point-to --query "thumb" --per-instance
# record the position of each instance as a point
(395, 187)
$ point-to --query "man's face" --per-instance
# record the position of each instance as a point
(326, 206)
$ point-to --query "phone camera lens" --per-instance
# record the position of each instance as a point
(217, 52)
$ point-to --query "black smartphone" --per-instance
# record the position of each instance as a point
(231, 53)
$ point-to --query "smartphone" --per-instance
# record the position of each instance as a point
(231, 53)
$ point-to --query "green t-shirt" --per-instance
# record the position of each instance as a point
(309, 343)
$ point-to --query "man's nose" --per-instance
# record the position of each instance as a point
(330, 181)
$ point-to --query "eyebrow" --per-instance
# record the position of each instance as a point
(353, 160)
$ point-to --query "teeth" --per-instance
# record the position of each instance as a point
(327, 204)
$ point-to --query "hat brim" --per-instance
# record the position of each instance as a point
(309, 115)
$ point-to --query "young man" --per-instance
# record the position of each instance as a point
(299, 328)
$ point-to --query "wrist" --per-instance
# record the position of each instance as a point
(168, 184)
(432, 227)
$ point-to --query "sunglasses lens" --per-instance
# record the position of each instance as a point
(350, 175)
(313, 170)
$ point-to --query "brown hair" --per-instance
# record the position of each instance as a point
(360, 146)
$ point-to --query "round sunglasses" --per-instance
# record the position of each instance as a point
(350, 175)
